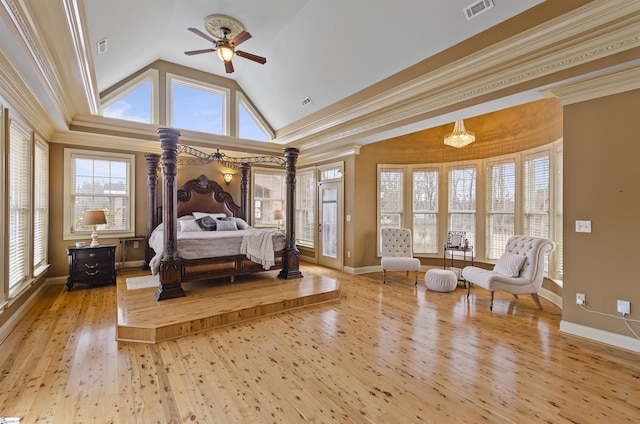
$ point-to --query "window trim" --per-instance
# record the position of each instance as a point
(199, 85)
(68, 233)
(151, 75)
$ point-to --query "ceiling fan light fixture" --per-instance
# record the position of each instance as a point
(225, 53)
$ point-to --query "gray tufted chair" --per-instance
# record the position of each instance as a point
(519, 270)
(397, 252)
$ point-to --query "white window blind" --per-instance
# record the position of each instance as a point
(268, 197)
(501, 198)
(305, 199)
(101, 182)
(41, 205)
(536, 195)
(558, 254)
(462, 201)
(390, 203)
(425, 211)
(19, 205)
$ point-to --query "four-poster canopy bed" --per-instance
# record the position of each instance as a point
(177, 262)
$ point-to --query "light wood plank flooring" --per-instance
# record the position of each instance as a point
(382, 354)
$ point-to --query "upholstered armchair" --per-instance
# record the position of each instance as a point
(519, 270)
(397, 252)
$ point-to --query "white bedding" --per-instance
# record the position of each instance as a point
(205, 244)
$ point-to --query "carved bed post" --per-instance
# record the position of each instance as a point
(244, 191)
(170, 269)
(291, 265)
(152, 202)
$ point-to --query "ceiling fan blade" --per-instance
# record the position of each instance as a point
(240, 38)
(253, 57)
(192, 52)
(203, 35)
(228, 66)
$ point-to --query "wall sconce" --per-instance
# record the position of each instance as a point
(227, 177)
(94, 218)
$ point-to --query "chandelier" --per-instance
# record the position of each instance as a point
(459, 137)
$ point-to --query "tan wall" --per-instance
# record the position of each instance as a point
(512, 130)
(601, 177)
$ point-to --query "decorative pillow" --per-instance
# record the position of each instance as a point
(198, 215)
(189, 225)
(226, 225)
(509, 264)
(241, 224)
(207, 223)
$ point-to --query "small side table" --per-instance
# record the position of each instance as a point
(123, 246)
(464, 250)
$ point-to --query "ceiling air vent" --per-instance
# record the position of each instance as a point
(102, 46)
(306, 101)
(477, 8)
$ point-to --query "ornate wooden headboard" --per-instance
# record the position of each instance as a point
(204, 195)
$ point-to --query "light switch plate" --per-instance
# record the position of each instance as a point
(583, 226)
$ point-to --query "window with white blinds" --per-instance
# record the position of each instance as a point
(462, 201)
(269, 190)
(536, 195)
(41, 205)
(305, 207)
(425, 210)
(390, 200)
(558, 237)
(501, 207)
(99, 180)
(19, 204)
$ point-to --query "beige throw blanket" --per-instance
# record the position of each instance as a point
(258, 247)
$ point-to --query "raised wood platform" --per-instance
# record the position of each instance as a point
(211, 304)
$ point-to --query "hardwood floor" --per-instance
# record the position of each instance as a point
(382, 354)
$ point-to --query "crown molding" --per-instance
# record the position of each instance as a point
(613, 82)
(595, 31)
(347, 150)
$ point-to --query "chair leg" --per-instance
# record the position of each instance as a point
(384, 276)
(416, 284)
(468, 290)
(536, 299)
(515, 295)
(491, 304)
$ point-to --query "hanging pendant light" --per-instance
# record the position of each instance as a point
(460, 137)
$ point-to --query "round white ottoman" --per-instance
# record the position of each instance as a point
(440, 280)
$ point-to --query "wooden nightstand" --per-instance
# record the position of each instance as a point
(92, 265)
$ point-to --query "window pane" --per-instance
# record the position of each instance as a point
(391, 182)
(100, 183)
(41, 205)
(305, 195)
(247, 126)
(536, 201)
(501, 189)
(462, 201)
(425, 211)
(196, 109)
(269, 196)
(19, 205)
(135, 106)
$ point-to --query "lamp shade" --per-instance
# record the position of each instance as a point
(94, 217)
(278, 214)
(227, 177)
(225, 53)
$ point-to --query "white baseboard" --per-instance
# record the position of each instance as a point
(551, 297)
(57, 280)
(21, 312)
(601, 336)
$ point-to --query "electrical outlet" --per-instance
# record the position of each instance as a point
(136, 245)
(624, 307)
(580, 298)
(583, 226)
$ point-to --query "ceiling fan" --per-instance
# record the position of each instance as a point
(226, 46)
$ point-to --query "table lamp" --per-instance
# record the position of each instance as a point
(279, 216)
(94, 217)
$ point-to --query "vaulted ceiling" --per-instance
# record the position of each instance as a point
(373, 69)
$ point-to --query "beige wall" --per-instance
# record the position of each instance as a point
(515, 129)
(601, 184)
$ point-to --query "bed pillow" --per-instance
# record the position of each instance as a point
(188, 225)
(241, 224)
(198, 215)
(226, 224)
(509, 264)
(207, 223)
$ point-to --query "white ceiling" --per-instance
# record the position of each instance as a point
(323, 49)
